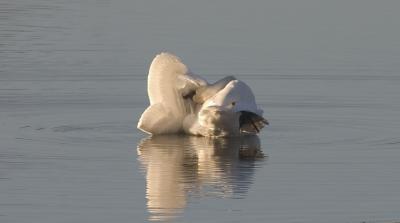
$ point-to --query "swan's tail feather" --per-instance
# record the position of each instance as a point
(203, 93)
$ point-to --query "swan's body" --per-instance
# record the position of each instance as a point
(183, 102)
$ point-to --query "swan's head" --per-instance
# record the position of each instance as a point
(231, 111)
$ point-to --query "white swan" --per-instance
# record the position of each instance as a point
(184, 102)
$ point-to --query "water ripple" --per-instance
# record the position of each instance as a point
(178, 167)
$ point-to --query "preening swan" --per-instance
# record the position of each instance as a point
(181, 101)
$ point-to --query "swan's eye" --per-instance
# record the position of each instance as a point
(233, 103)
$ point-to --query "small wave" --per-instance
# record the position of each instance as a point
(70, 128)
(387, 141)
(100, 127)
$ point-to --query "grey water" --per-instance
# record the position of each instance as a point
(73, 85)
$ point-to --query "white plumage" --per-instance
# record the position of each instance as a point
(183, 102)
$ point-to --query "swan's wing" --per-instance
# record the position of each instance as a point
(157, 119)
(188, 84)
(170, 86)
(169, 81)
(169, 76)
(162, 79)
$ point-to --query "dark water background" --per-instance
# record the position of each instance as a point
(73, 84)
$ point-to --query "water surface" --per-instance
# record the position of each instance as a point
(73, 84)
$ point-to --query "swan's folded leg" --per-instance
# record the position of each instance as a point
(157, 119)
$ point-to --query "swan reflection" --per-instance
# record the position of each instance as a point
(178, 167)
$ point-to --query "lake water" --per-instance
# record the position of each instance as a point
(73, 85)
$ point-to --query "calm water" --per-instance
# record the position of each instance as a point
(73, 84)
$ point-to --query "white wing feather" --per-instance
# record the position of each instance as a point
(168, 80)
